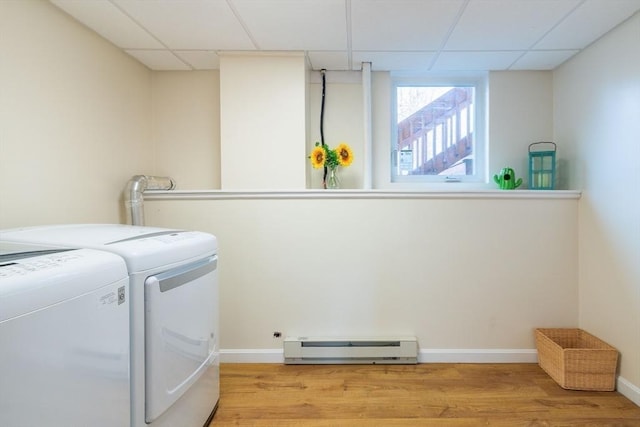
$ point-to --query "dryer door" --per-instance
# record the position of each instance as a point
(180, 331)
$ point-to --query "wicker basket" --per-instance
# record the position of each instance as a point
(577, 360)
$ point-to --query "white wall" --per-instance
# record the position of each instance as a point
(458, 274)
(343, 122)
(187, 133)
(263, 121)
(520, 113)
(186, 127)
(597, 114)
(74, 119)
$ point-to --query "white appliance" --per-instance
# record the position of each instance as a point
(64, 337)
(174, 315)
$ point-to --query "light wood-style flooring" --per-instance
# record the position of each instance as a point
(410, 395)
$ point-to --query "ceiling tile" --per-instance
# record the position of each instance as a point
(107, 20)
(506, 24)
(295, 24)
(200, 59)
(337, 61)
(193, 24)
(542, 59)
(158, 59)
(347, 77)
(341, 34)
(404, 25)
(587, 23)
(476, 60)
(396, 61)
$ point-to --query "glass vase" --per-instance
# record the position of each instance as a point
(332, 182)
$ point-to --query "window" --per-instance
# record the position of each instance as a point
(438, 129)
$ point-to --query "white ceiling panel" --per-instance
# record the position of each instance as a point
(158, 59)
(476, 60)
(295, 24)
(110, 22)
(589, 22)
(193, 24)
(338, 61)
(397, 61)
(506, 24)
(394, 35)
(402, 25)
(542, 60)
(200, 59)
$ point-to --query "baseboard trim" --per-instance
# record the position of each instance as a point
(497, 355)
(424, 356)
(271, 355)
(628, 390)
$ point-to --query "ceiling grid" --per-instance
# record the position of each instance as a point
(393, 35)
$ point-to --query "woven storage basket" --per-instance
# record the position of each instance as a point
(577, 360)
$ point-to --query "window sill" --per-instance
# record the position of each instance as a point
(359, 194)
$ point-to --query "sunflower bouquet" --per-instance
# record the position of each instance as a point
(330, 159)
(322, 156)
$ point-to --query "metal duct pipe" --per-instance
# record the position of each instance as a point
(133, 200)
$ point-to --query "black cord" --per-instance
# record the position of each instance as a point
(324, 84)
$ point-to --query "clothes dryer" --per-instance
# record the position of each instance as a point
(64, 337)
(174, 315)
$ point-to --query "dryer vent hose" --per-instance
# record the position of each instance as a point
(133, 199)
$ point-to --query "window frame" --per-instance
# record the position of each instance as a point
(478, 80)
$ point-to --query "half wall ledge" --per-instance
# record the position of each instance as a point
(361, 194)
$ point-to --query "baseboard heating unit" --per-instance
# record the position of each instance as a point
(328, 350)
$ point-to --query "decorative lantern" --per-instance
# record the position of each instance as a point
(542, 165)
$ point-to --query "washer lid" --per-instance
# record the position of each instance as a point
(33, 277)
(10, 251)
(143, 248)
(83, 234)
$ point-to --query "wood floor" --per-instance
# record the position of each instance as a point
(410, 395)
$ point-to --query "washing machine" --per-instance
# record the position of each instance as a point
(64, 337)
(173, 281)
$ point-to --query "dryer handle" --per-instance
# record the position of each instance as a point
(185, 274)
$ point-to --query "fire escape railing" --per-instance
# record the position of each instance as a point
(440, 134)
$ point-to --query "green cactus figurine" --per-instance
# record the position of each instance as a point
(507, 179)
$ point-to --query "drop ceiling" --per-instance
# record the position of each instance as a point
(396, 35)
